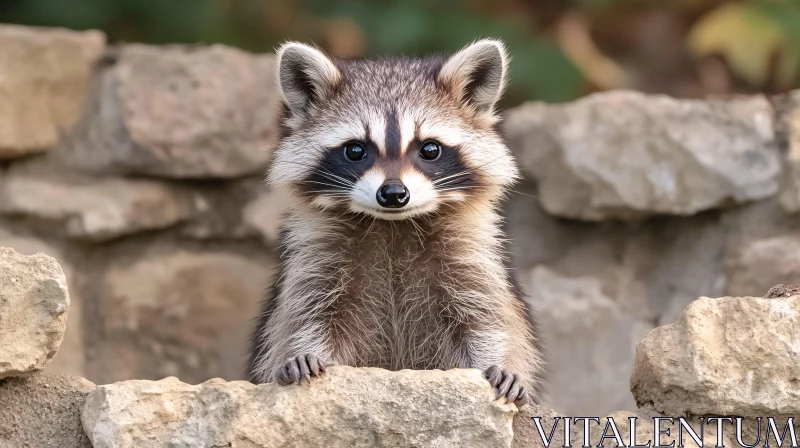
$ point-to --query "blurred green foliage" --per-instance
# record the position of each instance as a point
(540, 69)
(561, 48)
(758, 39)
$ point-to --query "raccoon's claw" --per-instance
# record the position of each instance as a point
(507, 385)
(301, 368)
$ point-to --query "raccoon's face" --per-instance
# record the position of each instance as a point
(393, 138)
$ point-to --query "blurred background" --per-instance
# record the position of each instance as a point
(140, 167)
(562, 49)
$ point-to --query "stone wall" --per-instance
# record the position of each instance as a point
(732, 356)
(140, 170)
(633, 206)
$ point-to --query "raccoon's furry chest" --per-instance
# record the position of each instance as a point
(394, 303)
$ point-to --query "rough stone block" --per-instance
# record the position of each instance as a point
(591, 342)
(171, 311)
(628, 155)
(347, 407)
(70, 359)
(181, 112)
(43, 411)
(95, 209)
(788, 124)
(33, 311)
(762, 263)
(727, 356)
(44, 77)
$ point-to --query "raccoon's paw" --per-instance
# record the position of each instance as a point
(507, 385)
(301, 368)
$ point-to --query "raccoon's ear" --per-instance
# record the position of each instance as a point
(476, 75)
(305, 76)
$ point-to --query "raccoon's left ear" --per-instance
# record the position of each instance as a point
(476, 75)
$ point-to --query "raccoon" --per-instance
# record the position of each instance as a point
(392, 251)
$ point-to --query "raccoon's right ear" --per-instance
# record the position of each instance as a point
(305, 76)
(476, 75)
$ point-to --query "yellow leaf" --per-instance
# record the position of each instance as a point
(744, 35)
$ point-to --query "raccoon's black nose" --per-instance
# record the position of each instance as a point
(393, 195)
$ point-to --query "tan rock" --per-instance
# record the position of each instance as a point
(70, 359)
(44, 74)
(728, 356)
(527, 435)
(622, 420)
(788, 125)
(265, 214)
(43, 411)
(218, 209)
(628, 155)
(636, 275)
(645, 267)
(33, 311)
(347, 408)
(95, 209)
(762, 264)
(592, 342)
(183, 112)
(673, 431)
(173, 312)
(781, 291)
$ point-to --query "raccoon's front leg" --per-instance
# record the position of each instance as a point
(508, 385)
(301, 368)
(491, 351)
(291, 343)
(299, 357)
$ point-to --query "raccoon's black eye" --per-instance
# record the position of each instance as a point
(354, 152)
(430, 150)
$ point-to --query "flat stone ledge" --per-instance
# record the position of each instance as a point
(93, 209)
(347, 407)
